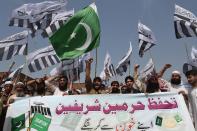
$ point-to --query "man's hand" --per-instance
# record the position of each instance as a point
(167, 66)
(89, 61)
(136, 66)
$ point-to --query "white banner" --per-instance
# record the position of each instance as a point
(155, 112)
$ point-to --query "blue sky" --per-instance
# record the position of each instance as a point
(119, 19)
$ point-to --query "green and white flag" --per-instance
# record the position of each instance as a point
(18, 123)
(40, 122)
(79, 35)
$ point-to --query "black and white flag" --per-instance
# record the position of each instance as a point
(41, 108)
(13, 45)
(124, 62)
(35, 15)
(57, 21)
(146, 39)
(148, 70)
(16, 72)
(42, 59)
(108, 69)
(185, 23)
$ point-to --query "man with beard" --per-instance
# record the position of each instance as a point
(19, 92)
(192, 80)
(7, 89)
(6, 93)
(176, 84)
(115, 87)
(61, 89)
(37, 87)
(96, 86)
(152, 84)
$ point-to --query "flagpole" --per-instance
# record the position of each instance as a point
(96, 62)
(95, 73)
(130, 62)
(130, 66)
(78, 71)
(26, 57)
(11, 66)
(29, 114)
(186, 49)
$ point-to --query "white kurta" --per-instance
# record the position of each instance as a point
(193, 104)
(58, 92)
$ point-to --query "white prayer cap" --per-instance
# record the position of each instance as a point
(8, 83)
(176, 72)
(19, 83)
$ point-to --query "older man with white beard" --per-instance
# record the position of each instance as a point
(19, 92)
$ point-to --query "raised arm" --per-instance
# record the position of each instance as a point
(135, 72)
(88, 80)
(162, 71)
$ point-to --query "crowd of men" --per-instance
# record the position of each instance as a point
(59, 85)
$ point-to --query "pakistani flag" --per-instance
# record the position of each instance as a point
(18, 123)
(79, 35)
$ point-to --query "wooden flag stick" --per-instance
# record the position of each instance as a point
(29, 116)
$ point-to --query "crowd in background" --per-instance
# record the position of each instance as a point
(59, 85)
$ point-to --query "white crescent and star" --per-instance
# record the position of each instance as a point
(19, 124)
(88, 37)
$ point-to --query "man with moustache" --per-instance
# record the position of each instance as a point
(176, 84)
(95, 86)
(129, 86)
(115, 87)
(19, 92)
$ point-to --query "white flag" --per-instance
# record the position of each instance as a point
(35, 15)
(36, 11)
(42, 59)
(108, 69)
(146, 39)
(149, 69)
(58, 20)
(13, 45)
(124, 62)
(185, 23)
